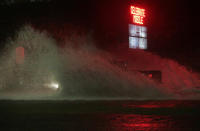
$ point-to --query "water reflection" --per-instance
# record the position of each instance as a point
(160, 104)
(100, 116)
(155, 116)
(121, 122)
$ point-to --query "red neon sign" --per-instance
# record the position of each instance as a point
(138, 15)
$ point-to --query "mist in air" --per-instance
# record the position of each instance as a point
(84, 72)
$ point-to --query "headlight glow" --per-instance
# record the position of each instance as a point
(53, 85)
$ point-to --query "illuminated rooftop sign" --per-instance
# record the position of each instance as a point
(137, 32)
(138, 15)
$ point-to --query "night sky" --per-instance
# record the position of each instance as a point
(173, 25)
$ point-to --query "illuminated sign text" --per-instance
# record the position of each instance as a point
(138, 15)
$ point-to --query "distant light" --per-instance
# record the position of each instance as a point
(138, 15)
(53, 85)
(150, 75)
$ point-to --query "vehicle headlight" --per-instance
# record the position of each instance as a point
(53, 85)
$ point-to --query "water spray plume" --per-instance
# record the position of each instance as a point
(84, 72)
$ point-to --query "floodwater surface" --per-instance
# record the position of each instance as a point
(100, 115)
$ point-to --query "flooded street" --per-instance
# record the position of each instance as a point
(100, 115)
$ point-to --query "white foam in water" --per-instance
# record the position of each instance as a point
(82, 73)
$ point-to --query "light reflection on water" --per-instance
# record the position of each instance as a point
(100, 115)
(156, 116)
(122, 122)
